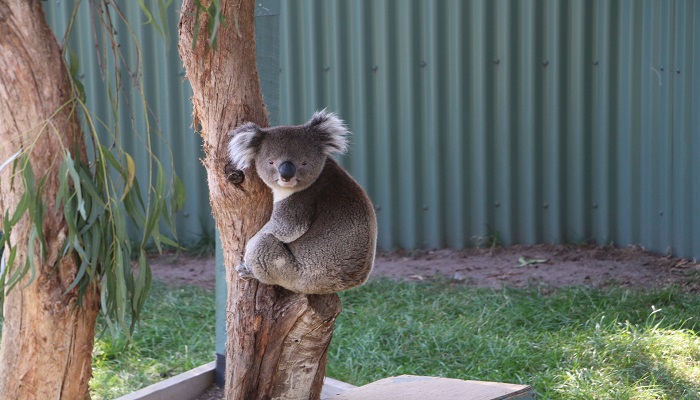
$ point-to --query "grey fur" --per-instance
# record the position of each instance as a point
(242, 146)
(332, 129)
(321, 237)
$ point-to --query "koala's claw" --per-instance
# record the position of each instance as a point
(244, 272)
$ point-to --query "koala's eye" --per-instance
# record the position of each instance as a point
(270, 162)
(303, 163)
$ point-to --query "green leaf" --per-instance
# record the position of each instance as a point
(167, 241)
(77, 185)
(63, 192)
(31, 267)
(28, 177)
(38, 219)
(106, 307)
(157, 209)
(95, 252)
(21, 209)
(131, 172)
(79, 276)
(74, 69)
(177, 202)
(180, 194)
(163, 13)
(10, 160)
(107, 154)
(119, 223)
(90, 188)
(20, 273)
(120, 287)
(217, 18)
(142, 284)
(160, 180)
(77, 246)
(9, 263)
(96, 212)
(137, 193)
(161, 28)
(147, 13)
(70, 215)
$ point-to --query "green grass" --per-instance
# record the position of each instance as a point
(567, 344)
(176, 334)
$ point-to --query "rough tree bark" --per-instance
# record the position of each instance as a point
(277, 340)
(46, 350)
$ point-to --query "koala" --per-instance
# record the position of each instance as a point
(322, 235)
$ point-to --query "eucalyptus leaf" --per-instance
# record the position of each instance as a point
(130, 173)
(17, 275)
(9, 262)
(78, 247)
(160, 26)
(70, 215)
(38, 219)
(90, 188)
(79, 276)
(10, 160)
(149, 16)
(28, 178)
(107, 155)
(143, 282)
(30, 265)
(95, 252)
(77, 183)
(119, 300)
(21, 209)
(73, 70)
(166, 240)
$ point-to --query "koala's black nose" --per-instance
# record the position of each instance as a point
(287, 170)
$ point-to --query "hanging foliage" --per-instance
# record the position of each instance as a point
(98, 195)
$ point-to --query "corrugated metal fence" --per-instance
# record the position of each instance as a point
(522, 121)
(526, 121)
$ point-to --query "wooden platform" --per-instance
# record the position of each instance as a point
(191, 384)
(410, 387)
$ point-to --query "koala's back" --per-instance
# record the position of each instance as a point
(342, 237)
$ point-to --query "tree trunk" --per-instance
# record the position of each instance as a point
(46, 349)
(277, 341)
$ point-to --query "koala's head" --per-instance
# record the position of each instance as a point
(289, 158)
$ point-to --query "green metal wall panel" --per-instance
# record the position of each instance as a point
(530, 121)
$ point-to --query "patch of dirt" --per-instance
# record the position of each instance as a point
(180, 270)
(515, 266)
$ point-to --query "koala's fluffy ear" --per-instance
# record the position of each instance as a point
(331, 131)
(244, 144)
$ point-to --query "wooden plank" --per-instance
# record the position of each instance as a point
(410, 387)
(332, 387)
(187, 385)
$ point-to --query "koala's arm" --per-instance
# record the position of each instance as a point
(267, 257)
(291, 219)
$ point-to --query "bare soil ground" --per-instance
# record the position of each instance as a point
(515, 266)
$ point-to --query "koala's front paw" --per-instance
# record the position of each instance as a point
(244, 272)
